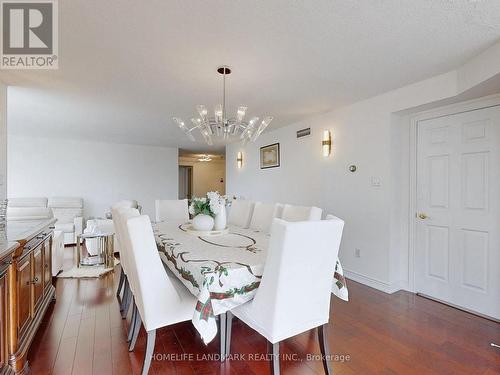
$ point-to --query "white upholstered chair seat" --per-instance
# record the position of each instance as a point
(300, 213)
(159, 302)
(295, 290)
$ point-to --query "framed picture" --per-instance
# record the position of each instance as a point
(270, 156)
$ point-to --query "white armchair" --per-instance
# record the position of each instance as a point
(69, 214)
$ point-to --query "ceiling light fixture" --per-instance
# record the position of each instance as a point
(220, 125)
(205, 158)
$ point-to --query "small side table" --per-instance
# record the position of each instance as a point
(103, 243)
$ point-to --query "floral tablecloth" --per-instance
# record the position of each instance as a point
(222, 272)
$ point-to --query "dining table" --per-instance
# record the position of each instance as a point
(223, 271)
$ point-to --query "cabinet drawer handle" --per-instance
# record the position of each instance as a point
(32, 282)
(46, 265)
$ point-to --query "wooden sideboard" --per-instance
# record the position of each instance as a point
(26, 289)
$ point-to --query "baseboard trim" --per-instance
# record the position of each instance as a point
(371, 282)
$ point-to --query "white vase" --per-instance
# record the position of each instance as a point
(220, 218)
(203, 222)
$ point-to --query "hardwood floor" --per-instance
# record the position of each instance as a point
(374, 333)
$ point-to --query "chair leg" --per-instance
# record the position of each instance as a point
(229, 324)
(120, 283)
(323, 346)
(135, 334)
(128, 299)
(132, 321)
(275, 363)
(150, 347)
(222, 335)
(124, 295)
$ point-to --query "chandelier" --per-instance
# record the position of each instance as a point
(220, 125)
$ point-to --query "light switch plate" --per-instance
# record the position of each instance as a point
(376, 182)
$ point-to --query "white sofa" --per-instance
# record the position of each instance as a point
(39, 213)
(67, 210)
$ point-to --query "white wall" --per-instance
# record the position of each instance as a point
(3, 141)
(373, 134)
(101, 173)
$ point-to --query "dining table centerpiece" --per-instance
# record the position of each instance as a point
(209, 212)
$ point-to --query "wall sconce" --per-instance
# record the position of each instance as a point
(239, 159)
(326, 144)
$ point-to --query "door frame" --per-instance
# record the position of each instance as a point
(189, 169)
(452, 109)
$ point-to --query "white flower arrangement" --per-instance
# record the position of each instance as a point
(209, 205)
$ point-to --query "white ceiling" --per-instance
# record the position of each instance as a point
(128, 66)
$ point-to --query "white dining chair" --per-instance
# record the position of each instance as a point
(175, 210)
(263, 215)
(240, 213)
(159, 303)
(295, 289)
(120, 215)
(301, 213)
(108, 225)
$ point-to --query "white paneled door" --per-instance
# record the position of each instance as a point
(457, 256)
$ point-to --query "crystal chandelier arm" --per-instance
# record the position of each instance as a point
(263, 125)
(184, 128)
(207, 137)
(249, 128)
(240, 114)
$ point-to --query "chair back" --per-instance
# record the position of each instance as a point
(175, 210)
(240, 213)
(28, 213)
(294, 293)
(301, 213)
(263, 215)
(120, 217)
(148, 274)
(27, 202)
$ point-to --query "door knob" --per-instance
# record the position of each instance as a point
(422, 216)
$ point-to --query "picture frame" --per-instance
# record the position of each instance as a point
(270, 156)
